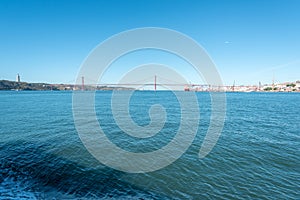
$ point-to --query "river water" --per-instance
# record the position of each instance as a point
(257, 155)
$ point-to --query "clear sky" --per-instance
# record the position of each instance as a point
(249, 41)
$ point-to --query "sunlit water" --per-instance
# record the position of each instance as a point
(256, 157)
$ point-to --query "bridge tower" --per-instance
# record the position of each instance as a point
(155, 83)
(82, 83)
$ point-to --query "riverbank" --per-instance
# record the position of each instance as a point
(13, 85)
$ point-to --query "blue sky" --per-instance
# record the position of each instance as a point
(249, 41)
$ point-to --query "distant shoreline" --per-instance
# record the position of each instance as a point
(24, 86)
(112, 89)
(6, 85)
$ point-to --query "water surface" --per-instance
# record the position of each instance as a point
(256, 157)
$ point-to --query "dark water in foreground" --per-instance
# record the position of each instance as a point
(256, 157)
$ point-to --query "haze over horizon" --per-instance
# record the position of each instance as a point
(250, 42)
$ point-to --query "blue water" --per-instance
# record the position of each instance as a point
(256, 157)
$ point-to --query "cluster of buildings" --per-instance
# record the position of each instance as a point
(278, 87)
(284, 87)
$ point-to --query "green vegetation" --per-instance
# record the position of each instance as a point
(271, 89)
(291, 85)
(12, 85)
(268, 89)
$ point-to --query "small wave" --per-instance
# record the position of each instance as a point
(11, 189)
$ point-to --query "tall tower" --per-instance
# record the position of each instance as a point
(82, 83)
(273, 84)
(155, 83)
(18, 78)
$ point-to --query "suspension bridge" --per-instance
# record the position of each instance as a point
(152, 83)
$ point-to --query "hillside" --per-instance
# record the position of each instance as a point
(13, 85)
